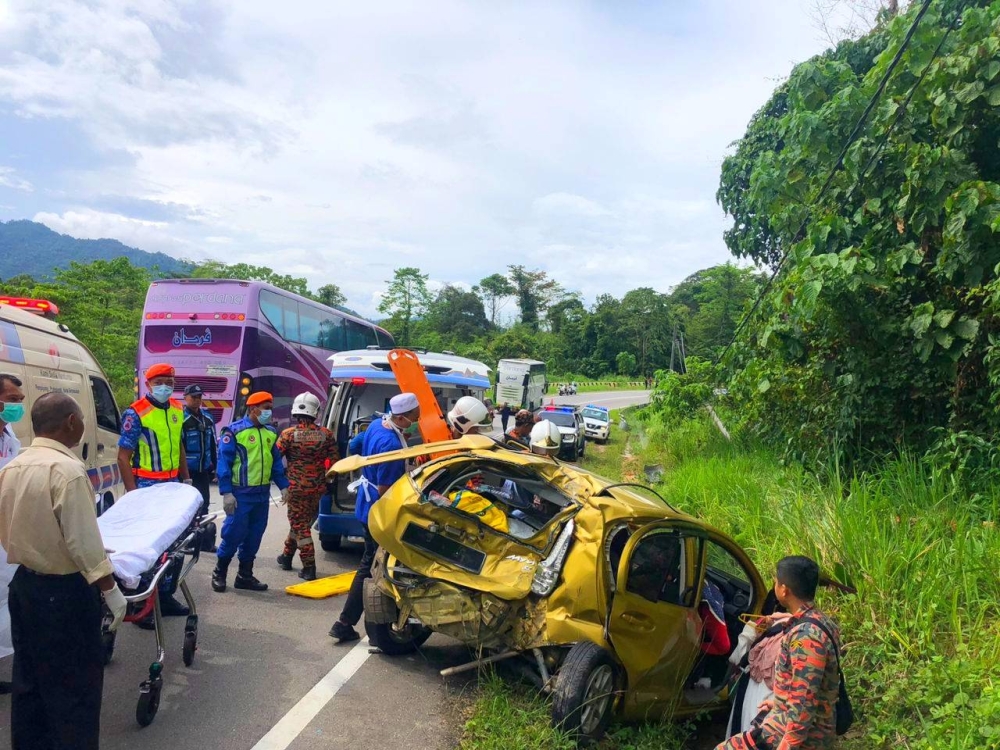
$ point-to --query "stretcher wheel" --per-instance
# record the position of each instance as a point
(108, 641)
(190, 646)
(149, 701)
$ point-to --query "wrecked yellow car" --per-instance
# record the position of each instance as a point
(599, 590)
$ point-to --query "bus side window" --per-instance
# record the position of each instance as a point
(333, 334)
(359, 336)
(283, 314)
(310, 326)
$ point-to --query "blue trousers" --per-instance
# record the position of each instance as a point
(242, 531)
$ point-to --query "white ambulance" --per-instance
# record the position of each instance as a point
(46, 357)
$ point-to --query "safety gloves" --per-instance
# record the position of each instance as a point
(115, 600)
(229, 503)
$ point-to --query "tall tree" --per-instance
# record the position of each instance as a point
(645, 325)
(330, 295)
(405, 299)
(458, 314)
(494, 290)
(535, 291)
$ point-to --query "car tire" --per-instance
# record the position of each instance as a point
(330, 542)
(379, 608)
(583, 449)
(387, 639)
(585, 694)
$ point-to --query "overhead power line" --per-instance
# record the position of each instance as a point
(855, 133)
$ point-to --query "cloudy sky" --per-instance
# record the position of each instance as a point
(339, 140)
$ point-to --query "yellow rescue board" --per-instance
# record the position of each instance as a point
(322, 588)
(464, 443)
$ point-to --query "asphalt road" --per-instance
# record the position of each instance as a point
(610, 399)
(268, 677)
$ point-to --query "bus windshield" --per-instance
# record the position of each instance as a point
(234, 337)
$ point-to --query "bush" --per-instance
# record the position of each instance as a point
(677, 397)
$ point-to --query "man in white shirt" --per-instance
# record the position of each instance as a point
(11, 410)
(48, 526)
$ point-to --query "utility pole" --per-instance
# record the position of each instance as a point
(677, 353)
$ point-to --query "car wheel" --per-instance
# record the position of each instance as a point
(329, 542)
(379, 608)
(583, 448)
(389, 639)
(585, 693)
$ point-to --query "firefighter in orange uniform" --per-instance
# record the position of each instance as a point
(308, 450)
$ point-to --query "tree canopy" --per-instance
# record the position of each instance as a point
(882, 322)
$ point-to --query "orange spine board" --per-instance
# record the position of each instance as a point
(412, 379)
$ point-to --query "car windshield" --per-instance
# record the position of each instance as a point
(561, 418)
(596, 414)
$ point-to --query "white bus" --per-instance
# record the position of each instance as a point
(520, 383)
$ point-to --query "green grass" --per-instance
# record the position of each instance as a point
(921, 636)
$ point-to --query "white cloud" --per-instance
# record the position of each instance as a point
(341, 140)
(94, 225)
(9, 178)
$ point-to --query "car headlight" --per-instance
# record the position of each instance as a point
(548, 570)
(568, 438)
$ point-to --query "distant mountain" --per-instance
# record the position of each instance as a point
(32, 248)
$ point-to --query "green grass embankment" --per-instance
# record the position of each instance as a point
(921, 636)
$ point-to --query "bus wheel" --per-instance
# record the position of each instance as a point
(329, 542)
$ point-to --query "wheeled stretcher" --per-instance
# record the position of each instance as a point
(154, 538)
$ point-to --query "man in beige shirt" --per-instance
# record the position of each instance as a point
(48, 526)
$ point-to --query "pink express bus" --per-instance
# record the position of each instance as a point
(235, 337)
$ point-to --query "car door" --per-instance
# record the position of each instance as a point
(106, 418)
(653, 624)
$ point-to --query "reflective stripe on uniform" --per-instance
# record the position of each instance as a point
(158, 454)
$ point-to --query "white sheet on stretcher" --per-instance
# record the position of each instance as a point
(143, 524)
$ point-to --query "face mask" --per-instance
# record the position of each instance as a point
(12, 413)
(265, 416)
(162, 393)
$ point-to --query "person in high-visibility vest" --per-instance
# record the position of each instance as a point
(151, 448)
(151, 451)
(249, 461)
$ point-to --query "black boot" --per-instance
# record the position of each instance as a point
(245, 579)
(285, 562)
(219, 574)
(170, 607)
(308, 573)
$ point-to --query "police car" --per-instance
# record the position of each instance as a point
(570, 424)
(597, 422)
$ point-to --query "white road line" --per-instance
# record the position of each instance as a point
(291, 724)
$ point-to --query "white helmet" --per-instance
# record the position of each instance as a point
(305, 405)
(545, 438)
(468, 412)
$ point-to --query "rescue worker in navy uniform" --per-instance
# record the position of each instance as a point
(151, 451)
(249, 461)
(200, 446)
(389, 434)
